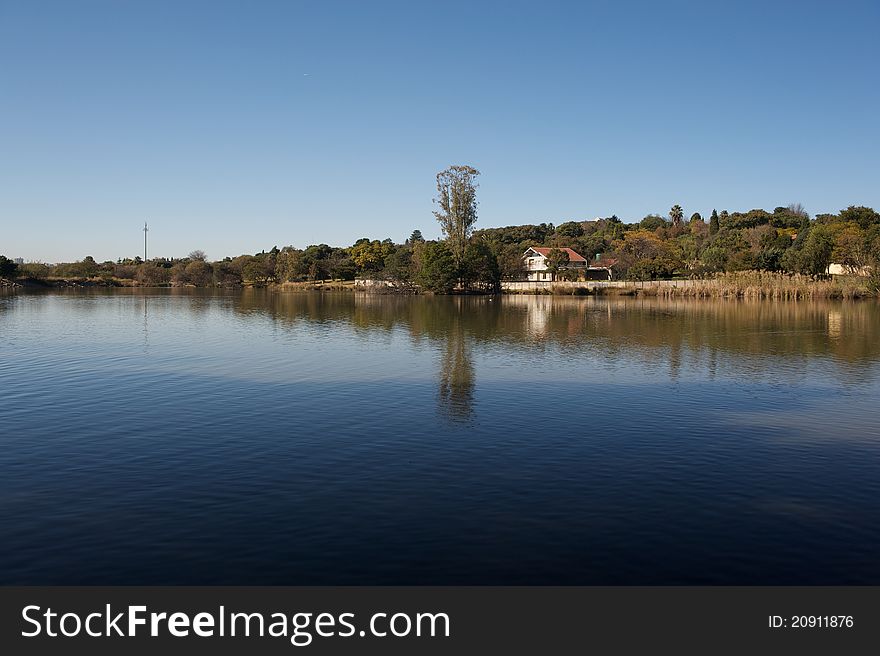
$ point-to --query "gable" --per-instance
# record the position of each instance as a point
(542, 251)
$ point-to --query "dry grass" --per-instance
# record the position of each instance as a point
(742, 284)
(322, 285)
(767, 285)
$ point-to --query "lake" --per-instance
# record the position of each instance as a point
(256, 437)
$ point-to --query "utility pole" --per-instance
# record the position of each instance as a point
(145, 242)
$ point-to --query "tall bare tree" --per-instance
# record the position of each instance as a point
(798, 210)
(457, 200)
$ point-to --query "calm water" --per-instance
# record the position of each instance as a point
(251, 437)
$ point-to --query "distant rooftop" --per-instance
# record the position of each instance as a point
(573, 256)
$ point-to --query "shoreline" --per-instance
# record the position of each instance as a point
(747, 285)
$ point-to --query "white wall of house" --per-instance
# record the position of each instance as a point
(536, 266)
(835, 269)
(536, 263)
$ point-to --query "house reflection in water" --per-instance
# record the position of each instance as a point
(835, 319)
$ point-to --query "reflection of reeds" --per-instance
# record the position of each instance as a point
(766, 285)
(324, 285)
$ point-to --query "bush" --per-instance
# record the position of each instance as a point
(437, 272)
(8, 268)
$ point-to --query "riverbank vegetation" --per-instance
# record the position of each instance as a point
(783, 253)
(766, 285)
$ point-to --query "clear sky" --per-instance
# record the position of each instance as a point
(235, 126)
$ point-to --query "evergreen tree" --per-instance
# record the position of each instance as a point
(714, 224)
(437, 271)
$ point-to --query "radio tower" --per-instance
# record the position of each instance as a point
(145, 241)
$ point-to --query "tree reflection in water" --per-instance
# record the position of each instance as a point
(742, 340)
(456, 389)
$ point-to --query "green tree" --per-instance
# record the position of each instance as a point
(88, 267)
(791, 260)
(399, 265)
(612, 228)
(815, 255)
(255, 271)
(340, 265)
(769, 259)
(696, 218)
(851, 247)
(818, 250)
(714, 224)
(714, 258)
(415, 238)
(792, 216)
(457, 202)
(591, 245)
(8, 268)
(314, 262)
(510, 261)
(571, 229)
(642, 254)
(676, 214)
(437, 269)
(481, 267)
(557, 260)
(287, 264)
(369, 256)
(865, 217)
(652, 222)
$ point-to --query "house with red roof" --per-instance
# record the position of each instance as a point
(535, 261)
(535, 264)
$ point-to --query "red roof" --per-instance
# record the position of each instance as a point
(572, 255)
(605, 262)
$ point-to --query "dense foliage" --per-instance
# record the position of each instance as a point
(655, 247)
(784, 240)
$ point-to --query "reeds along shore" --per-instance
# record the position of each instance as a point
(774, 286)
(745, 284)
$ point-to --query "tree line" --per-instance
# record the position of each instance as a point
(458, 261)
(415, 264)
(784, 240)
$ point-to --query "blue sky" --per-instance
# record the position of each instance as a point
(235, 126)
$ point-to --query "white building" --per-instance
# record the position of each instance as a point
(835, 269)
(535, 264)
(535, 260)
